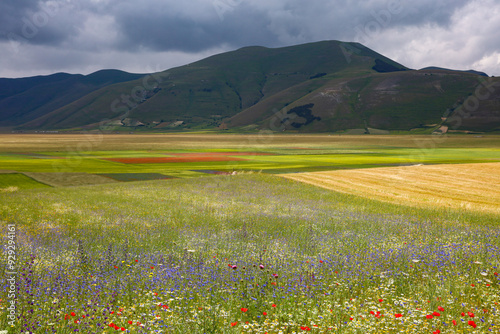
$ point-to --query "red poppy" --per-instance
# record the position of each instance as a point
(234, 323)
(436, 331)
(274, 305)
(470, 314)
(436, 314)
(454, 322)
(305, 328)
(429, 316)
(73, 314)
(320, 261)
(380, 300)
(244, 309)
(472, 323)
(398, 315)
(462, 314)
(123, 329)
(441, 308)
(264, 313)
(130, 322)
(136, 260)
(152, 267)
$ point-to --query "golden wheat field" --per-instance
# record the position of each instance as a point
(466, 186)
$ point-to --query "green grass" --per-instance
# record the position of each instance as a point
(14, 181)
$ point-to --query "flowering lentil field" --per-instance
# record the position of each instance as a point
(245, 253)
(232, 254)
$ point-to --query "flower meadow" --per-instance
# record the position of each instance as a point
(245, 254)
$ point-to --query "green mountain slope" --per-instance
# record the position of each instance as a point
(388, 101)
(315, 87)
(25, 99)
(203, 93)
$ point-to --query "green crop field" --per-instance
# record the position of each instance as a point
(245, 252)
(16, 181)
(187, 155)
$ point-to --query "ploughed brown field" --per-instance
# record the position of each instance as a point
(466, 186)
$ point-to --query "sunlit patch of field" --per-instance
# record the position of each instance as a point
(10, 182)
(464, 186)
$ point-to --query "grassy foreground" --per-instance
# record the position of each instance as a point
(249, 253)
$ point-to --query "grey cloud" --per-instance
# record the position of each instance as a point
(39, 22)
(203, 24)
(198, 26)
(162, 30)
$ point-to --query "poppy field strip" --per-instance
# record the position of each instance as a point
(239, 254)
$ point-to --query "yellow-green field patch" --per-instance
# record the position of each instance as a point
(16, 181)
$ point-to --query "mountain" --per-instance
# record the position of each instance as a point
(315, 87)
(25, 99)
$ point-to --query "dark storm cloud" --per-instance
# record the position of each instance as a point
(39, 22)
(167, 26)
(202, 24)
(164, 30)
(88, 34)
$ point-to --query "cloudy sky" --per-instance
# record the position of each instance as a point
(82, 36)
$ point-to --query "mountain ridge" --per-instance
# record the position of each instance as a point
(314, 87)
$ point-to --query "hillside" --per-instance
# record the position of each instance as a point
(25, 99)
(316, 87)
